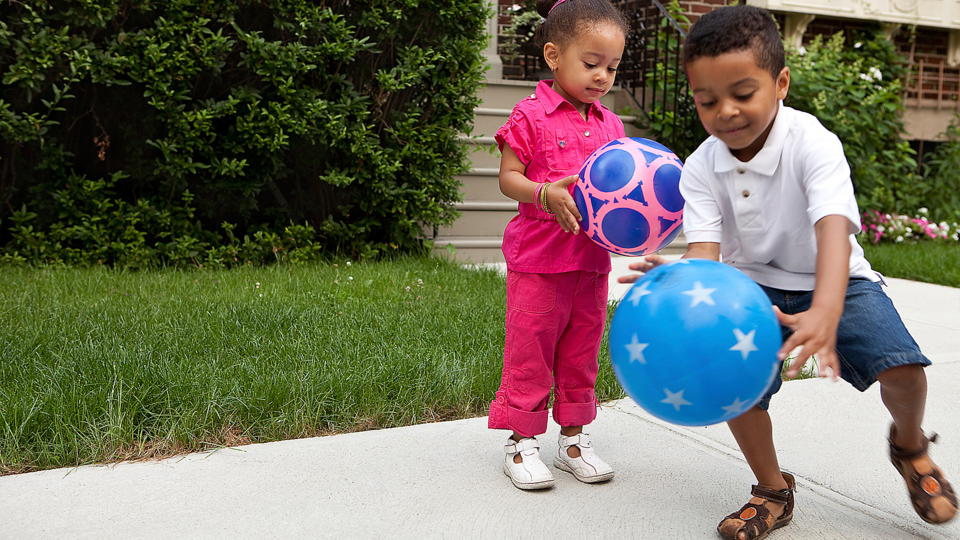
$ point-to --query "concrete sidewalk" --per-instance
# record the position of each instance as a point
(444, 480)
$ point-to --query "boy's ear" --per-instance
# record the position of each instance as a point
(551, 53)
(783, 83)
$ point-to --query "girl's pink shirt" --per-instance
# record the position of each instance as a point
(552, 140)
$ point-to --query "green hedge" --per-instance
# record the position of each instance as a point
(199, 132)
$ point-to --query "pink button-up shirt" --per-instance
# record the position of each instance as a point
(552, 140)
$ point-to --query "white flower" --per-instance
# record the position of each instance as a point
(943, 225)
(909, 233)
(922, 210)
(516, 7)
(407, 288)
(802, 50)
(866, 77)
(349, 263)
(349, 278)
(258, 284)
(857, 45)
(899, 239)
(876, 73)
(881, 228)
(933, 226)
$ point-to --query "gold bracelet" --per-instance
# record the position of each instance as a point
(543, 195)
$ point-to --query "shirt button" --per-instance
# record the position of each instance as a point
(745, 193)
(586, 133)
(741, 170)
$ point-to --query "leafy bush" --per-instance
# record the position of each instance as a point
(190, 131)
(855, 91)
(941, 178)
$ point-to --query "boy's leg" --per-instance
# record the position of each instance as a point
(753, 431)
(873, 344)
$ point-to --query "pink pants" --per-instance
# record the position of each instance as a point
(554, 326)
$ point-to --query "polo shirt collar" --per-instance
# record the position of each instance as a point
(768, 158)
(552, 100)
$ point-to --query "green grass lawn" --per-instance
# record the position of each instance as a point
(100, 365)
(932, 262)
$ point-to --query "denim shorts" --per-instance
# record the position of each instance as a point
(871, 337)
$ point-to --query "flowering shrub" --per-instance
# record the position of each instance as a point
(879, 227)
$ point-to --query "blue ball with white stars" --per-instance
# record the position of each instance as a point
(694, 342)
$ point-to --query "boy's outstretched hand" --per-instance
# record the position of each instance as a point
(816, 332)
(561, 203)
(645, 264)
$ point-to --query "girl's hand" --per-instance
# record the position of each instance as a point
(561, 203)
(816, 333)
(646, 264)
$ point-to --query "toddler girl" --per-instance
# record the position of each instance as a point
(556, 277)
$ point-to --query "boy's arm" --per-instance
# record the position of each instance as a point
(816, 329)
(695, 250)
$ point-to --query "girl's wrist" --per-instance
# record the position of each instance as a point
(544, 205)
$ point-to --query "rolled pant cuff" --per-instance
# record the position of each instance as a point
(526, 423)
(574, 414)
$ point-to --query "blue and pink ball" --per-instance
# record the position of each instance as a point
(629, 197)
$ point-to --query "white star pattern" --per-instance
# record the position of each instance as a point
(681, 261)
(639, 292)
(744, 343)
(700, 295)
(635, 349)
(736, 407)
(675, 399)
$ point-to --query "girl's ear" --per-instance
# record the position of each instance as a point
(551, 53)
(783, 83)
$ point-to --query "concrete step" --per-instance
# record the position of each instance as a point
(481, 184)
(482, 152)
(474, 223)
(469, 249)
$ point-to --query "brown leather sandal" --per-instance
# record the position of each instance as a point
(923, 488)
(755, 519)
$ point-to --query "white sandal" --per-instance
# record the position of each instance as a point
(530, 473)
(588, 468)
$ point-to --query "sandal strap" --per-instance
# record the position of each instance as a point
(900, 453)
(781, 496)
(754, 518)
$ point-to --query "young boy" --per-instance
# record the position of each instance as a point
(770, 192)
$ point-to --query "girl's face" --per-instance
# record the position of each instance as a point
(585, 68)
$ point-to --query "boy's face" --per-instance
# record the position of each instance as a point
(736, 99)
(585, 68)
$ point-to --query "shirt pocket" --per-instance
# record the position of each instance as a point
(562, 152)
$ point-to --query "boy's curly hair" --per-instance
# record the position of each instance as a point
(736, 28)
(563, 24)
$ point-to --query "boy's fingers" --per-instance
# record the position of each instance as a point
(829, 366)
(629, 278)
(786, 320)
(792, 343)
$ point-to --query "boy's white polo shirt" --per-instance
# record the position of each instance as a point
(763, 211)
